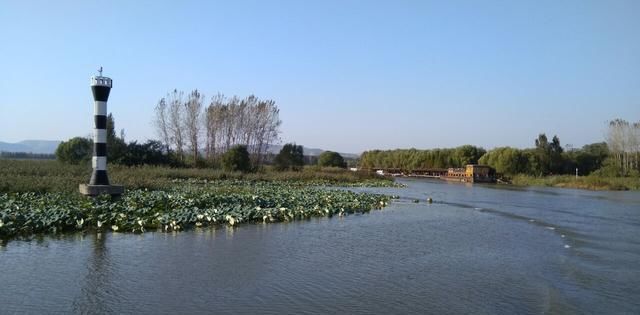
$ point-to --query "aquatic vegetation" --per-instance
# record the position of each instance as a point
(186, 204)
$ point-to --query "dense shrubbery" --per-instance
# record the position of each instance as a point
(331, 159)
(75, 150)
(148, 153)
(291, 157)
(236, 159)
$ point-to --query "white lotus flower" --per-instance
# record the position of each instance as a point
(208, 218)
(198, 224)
(114, 227)
(80, 222)
(99, 223)
(230, 219)
(200, 216)
(140, 222)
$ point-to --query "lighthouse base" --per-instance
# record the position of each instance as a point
(96, 190)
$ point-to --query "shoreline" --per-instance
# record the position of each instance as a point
(595, 183)
(588, 182)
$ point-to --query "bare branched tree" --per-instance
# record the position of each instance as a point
(192, 123)
(161, 123)
(249, 121)
(623, 140)
(175, 127)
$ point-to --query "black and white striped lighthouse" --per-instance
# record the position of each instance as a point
(100, 86)
(99, 183)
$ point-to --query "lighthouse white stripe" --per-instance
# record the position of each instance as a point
(100, 135)
(100, 108)
(99, 163)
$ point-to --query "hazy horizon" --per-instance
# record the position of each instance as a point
(348, 76)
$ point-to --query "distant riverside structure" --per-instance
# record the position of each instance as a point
(471, 173)
(99, 183)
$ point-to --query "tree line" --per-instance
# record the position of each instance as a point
(618, 156)
(26, 155)
(229, 133)
(414, 159)
(80, 149)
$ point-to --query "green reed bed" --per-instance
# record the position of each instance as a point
(52, 176)
(591, 182)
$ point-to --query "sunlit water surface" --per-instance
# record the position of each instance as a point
(477, 249)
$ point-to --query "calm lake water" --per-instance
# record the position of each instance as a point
(478, 249)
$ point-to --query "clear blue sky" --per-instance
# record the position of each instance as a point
(346, 75)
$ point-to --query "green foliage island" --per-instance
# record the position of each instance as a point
(40, 197)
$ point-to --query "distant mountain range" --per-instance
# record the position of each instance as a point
(49, 147)
(30, 146)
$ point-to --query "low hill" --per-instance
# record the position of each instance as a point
(30, 146)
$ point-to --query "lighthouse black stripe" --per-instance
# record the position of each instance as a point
(99, 177)
(100, 93)
(101, 121)
(99, 149)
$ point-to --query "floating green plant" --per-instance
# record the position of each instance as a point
(185, 205)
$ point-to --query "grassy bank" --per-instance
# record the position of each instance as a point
(582, 182)
(41, 197)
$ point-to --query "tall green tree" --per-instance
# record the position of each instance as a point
(468, 154)
(290, 157)
(505, 160)
(540, 160)
(116, 147)
(331, 159)
(555, 156)
(236, 159)
(148, 153)
(75, 150)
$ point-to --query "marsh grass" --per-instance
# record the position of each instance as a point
(591, 182)
(53, 176)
